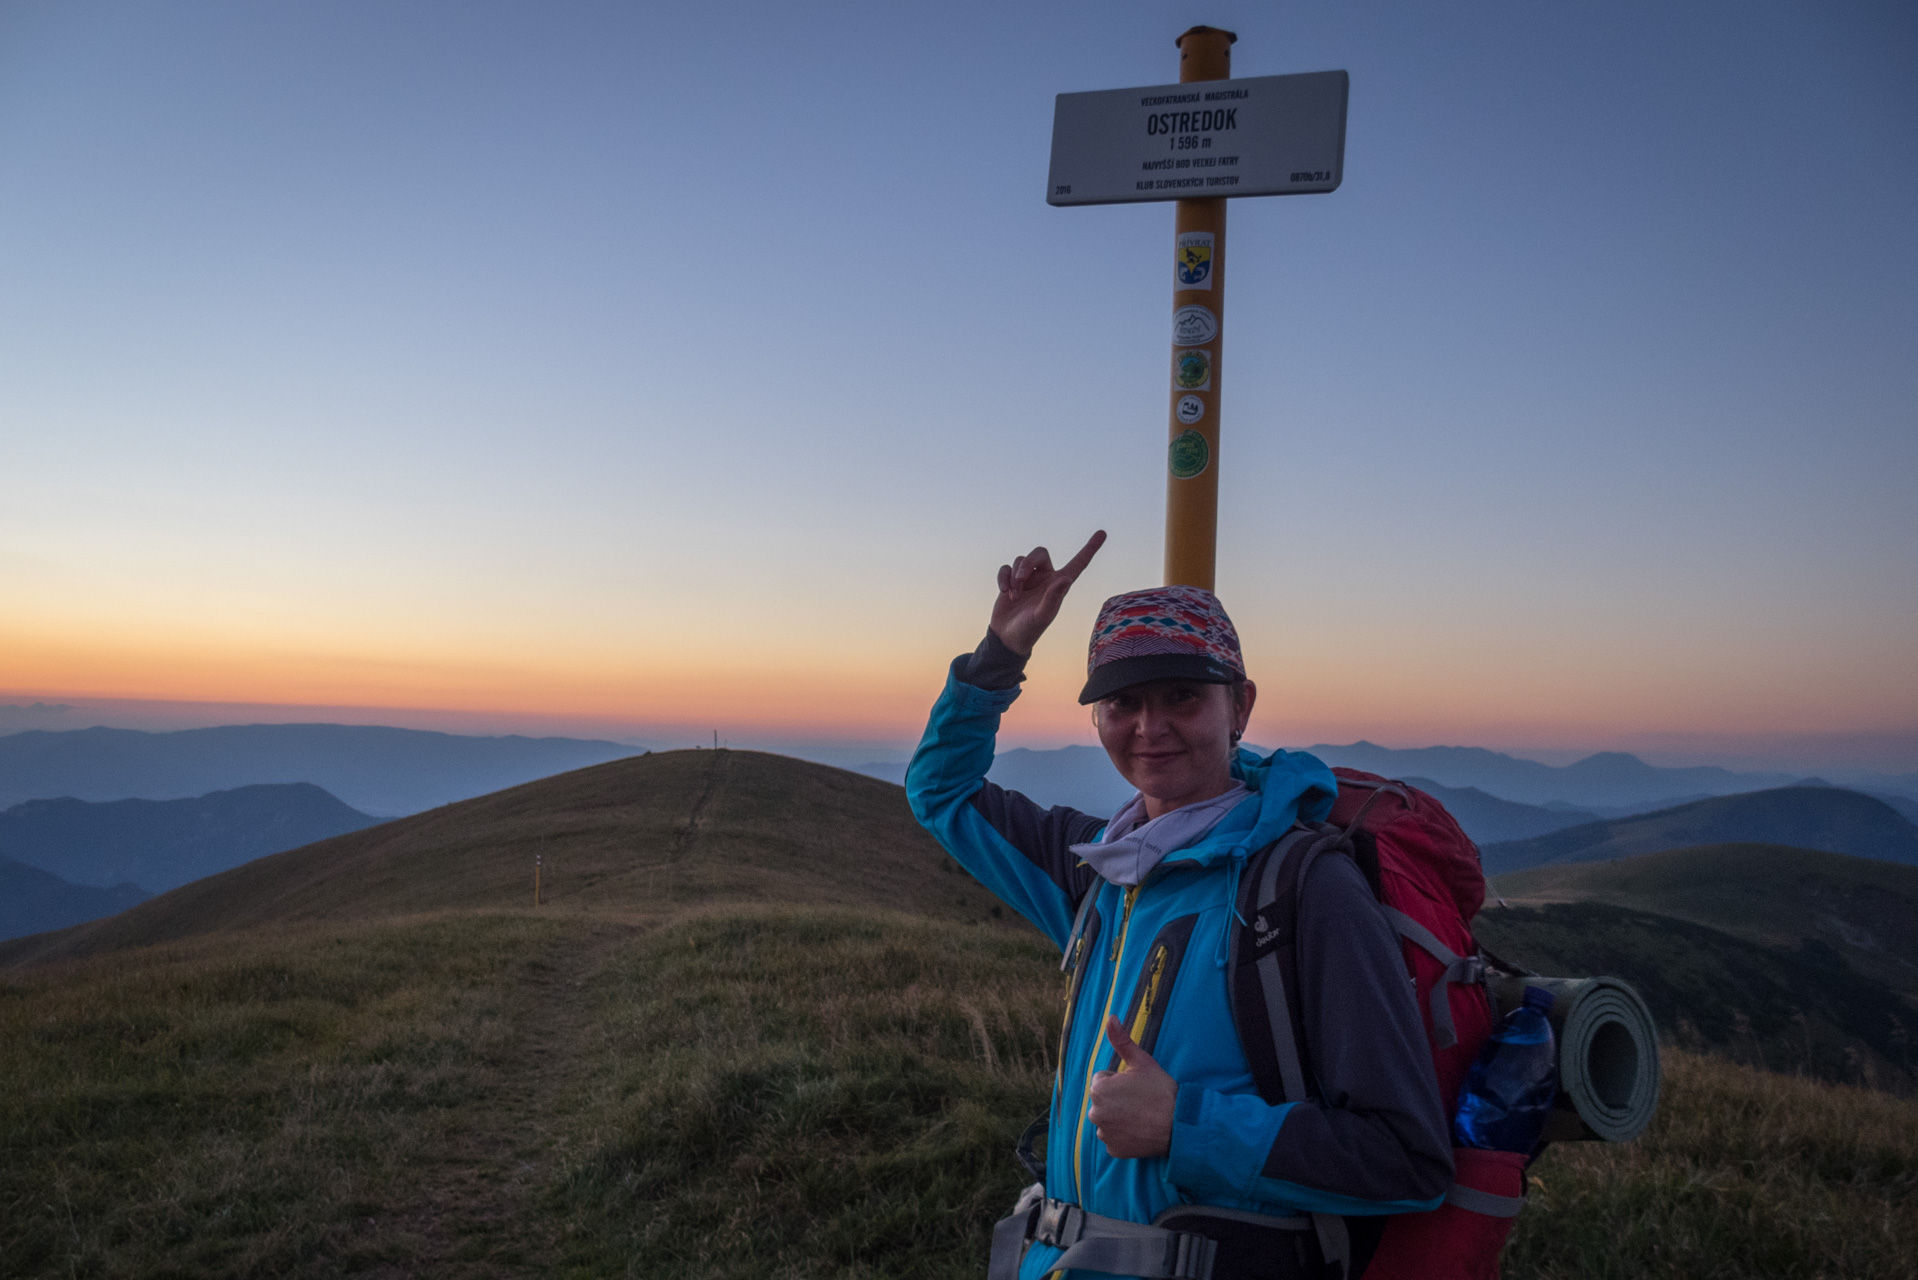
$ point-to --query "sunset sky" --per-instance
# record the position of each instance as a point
(638, 371)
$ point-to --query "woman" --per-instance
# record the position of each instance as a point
(1154, 1105)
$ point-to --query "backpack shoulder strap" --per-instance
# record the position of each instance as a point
(1070, 960)
(1263, 971)
(1264, 986)
(1263, 959)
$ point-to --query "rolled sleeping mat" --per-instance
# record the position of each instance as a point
(1607, 1055)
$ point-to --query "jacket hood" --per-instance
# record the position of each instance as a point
(1286, 786)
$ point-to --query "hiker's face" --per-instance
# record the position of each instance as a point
(1172, 739)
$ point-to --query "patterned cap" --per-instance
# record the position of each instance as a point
(1161, 633)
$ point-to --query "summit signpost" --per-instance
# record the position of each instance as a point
(1267, 136)
(1200, 142)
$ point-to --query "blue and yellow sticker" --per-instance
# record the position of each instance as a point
(1192, 260)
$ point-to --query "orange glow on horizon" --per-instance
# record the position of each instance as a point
(693, 689)
(884, 692)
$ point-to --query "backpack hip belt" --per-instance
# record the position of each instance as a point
(1093, 1242)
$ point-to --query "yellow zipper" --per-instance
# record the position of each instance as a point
(1144, 1015)
(1085, 1100)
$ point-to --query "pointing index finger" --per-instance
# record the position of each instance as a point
(1077, 565)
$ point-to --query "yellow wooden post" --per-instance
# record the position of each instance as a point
(1198, 335)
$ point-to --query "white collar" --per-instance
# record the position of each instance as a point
(1133, 844)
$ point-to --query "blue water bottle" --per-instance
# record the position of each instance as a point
(1510, 1089)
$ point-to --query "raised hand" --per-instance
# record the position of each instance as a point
(1133, 1105)
(1031, 591)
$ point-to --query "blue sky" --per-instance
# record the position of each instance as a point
(642, 369)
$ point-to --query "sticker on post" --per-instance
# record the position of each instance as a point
(1192, 261)
(1194, 326)
(1192, 369)
(1190, 409)
(1189, 455)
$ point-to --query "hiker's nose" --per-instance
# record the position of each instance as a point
(1152, 723)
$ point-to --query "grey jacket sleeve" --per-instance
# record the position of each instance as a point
(1043, 836)
(992, 665)
(1377, 1131)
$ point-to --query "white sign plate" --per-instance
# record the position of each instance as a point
(1262, 136)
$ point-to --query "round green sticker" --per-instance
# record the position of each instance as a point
(1189, 455)
(1192, 369)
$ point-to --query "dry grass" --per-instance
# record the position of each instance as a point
(808, 1094)
(1743, 1174)
(259, 1105)
(738, 1092)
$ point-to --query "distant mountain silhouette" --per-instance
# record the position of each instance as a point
(375, 769)
(1488, 819)
(1907, 807)
(1826, 818)
(162, 844)
(1610, 779)
(33, 901)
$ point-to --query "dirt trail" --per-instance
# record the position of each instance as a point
(472, 1210)
(471, 1207)
(715, 778)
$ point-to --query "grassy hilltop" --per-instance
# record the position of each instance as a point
(1863, 908)
(763, 1029)
(646, 836)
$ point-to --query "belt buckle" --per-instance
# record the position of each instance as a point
(1055, 1220)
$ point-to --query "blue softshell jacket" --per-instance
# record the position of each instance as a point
(1374, 1142)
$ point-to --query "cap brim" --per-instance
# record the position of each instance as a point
(1122, 673)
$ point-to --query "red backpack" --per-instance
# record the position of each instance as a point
(1425, 872)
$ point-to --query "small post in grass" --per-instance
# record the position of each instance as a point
(538, 860)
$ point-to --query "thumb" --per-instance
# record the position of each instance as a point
(1123, 1044)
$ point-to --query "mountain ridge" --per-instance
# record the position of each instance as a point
(1604, 779)
(163, 844)
(1831, 819)
(1773, 895)
(377, 769)
(1488, 819)
(35, 901)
